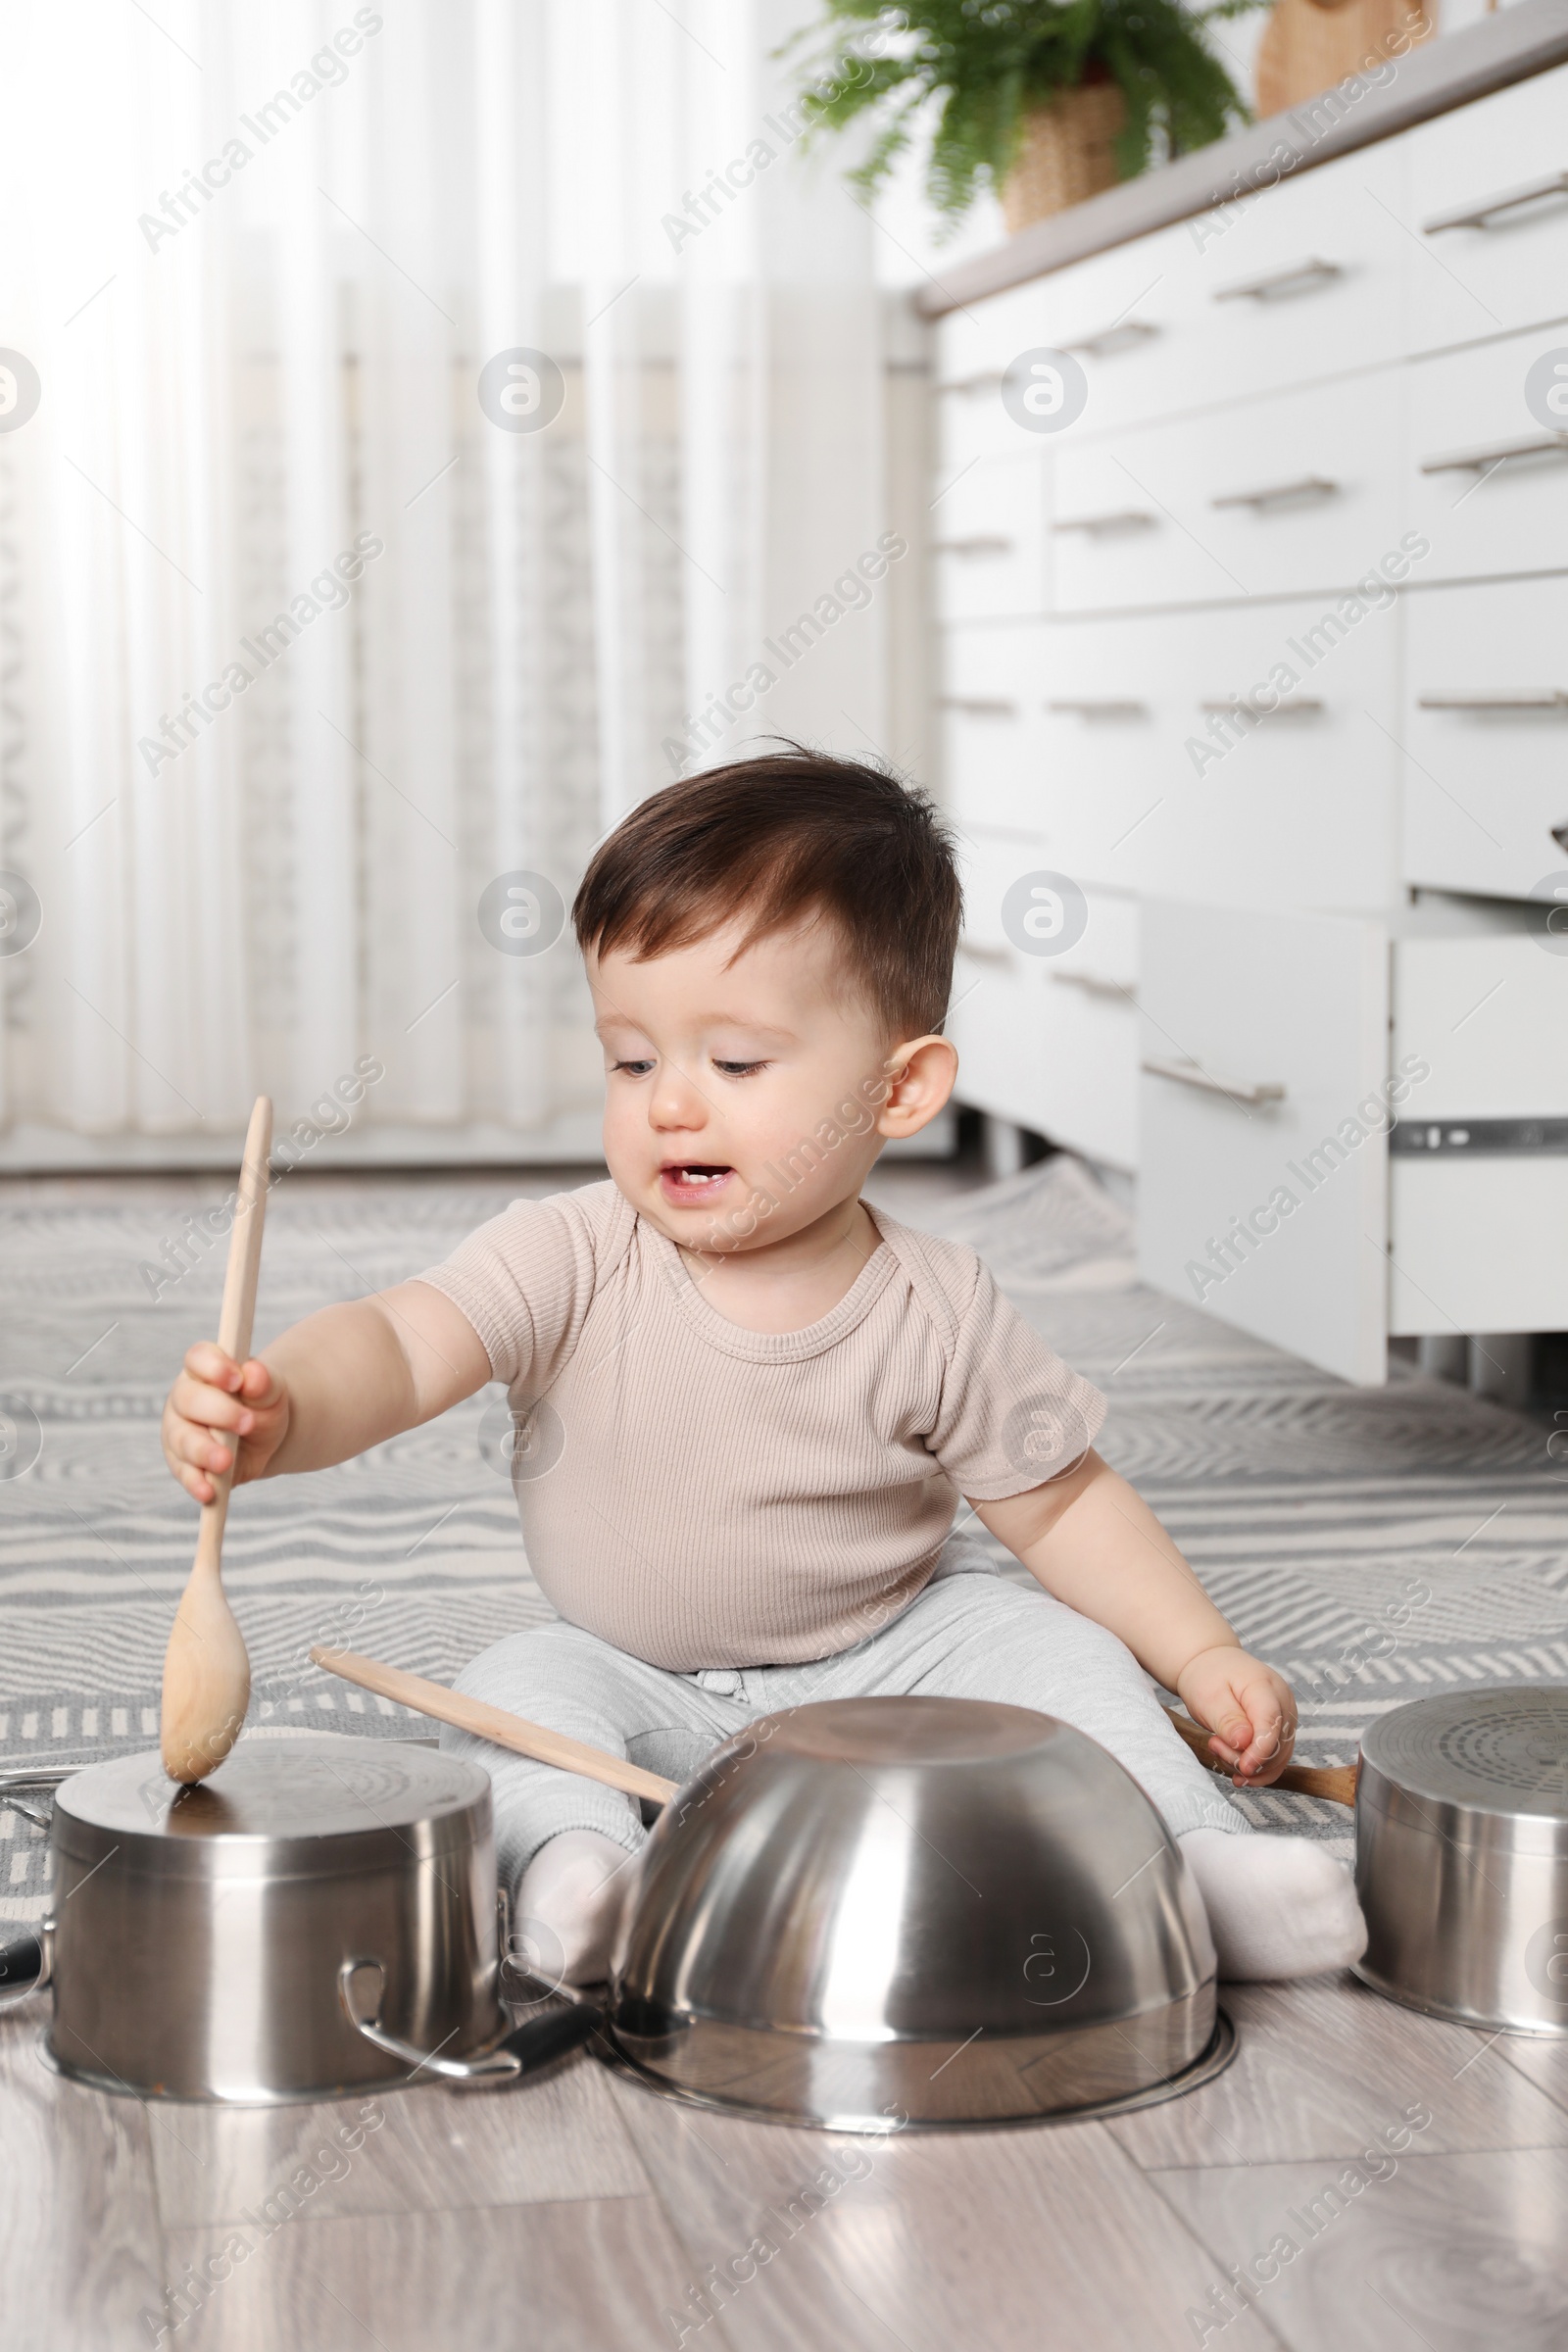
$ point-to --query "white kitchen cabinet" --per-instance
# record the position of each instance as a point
(1486, 734)
(1503, 263)
(1260, 1034)
(1289, 492)
(1306, 474)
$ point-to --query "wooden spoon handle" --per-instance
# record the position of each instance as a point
(495, 1722)
(1336, 1781)
(238, 1312)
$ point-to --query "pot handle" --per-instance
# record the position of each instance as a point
(26, 1956)
(528, 2046)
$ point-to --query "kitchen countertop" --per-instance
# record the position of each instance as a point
(1525, 39)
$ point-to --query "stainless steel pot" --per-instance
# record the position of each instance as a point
(197, 1933)
(1462, 1841)
(883, 1911)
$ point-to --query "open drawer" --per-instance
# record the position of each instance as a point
(1478, 1164)
(1320, 1179)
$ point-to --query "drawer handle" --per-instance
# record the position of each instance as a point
(1279, 494)
(978, 706)
(1093, 986)
(966, 387)
(1236, 1090)
(1130, 519)
(1548, 698)
(1108, 707)
(1122, 334)
(1476, 461)
(1298, 275)
(983, 953)
(1477, 216)
(981, 546)
(1237, 706)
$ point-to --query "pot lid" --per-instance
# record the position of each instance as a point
(318, 1803)
(1486, 1751)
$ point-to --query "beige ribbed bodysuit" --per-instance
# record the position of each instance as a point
(704, 1496)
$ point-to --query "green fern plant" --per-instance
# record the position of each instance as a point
(991, 62)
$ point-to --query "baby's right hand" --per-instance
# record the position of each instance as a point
(215, 1406)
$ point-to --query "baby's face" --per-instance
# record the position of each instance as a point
(733, 1083)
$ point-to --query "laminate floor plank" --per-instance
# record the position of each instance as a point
(1456, 2253)
(556, 2138)
(81, 2254)
(1541, 2062)
(1324, 2064)
(997, 2241)
(592, 2275)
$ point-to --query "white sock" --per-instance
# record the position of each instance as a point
(569, 1905)
(1277, 1906)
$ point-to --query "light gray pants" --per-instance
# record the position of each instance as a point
(966, 1636)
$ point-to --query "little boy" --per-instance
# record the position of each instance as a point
(748, 1406)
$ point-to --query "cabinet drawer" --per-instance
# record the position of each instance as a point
(1125, 315)
(975, 346)
(1499, 263)
(1295, 492)
(1488, 483)
(987, 544)
(1155, 776)
(1049, 1043)
(1486, 784)
(1479, 1245)
(1479, 1207)
(1261, 1035)
(1486, 1007)
(1305, 279)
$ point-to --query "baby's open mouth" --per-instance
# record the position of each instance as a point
(692, 1178)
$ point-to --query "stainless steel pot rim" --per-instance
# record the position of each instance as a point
(1455, 2013)
(1214, 2060)
(301, 1808)
(1496, 1752)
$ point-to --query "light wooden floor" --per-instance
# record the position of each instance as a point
(580, 2213)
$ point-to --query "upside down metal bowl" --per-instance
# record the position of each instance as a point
(886, 1911)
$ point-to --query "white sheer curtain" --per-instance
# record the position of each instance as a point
(257, 259)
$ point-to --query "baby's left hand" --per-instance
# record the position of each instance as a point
(1250, 1709)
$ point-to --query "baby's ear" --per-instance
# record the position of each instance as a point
(921, 1077)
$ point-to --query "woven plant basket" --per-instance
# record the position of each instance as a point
(1067, 154)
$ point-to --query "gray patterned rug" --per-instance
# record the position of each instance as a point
(1372, 1544)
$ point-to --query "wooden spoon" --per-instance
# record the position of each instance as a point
(1337, 1782)
(207, 1673)
(525, 1739)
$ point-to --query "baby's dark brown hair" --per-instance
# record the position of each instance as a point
(782, 838)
